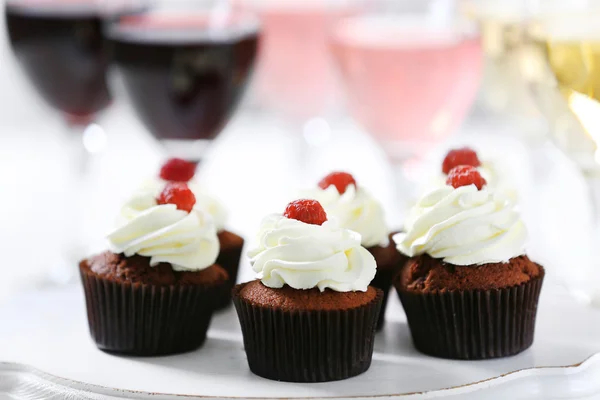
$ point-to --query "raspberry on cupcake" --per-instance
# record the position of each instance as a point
(352, 207)
(489, 170)
(231, 244)
(153, 292)
(462, 156)
(463, 175)
(311, 314)
(469, 290)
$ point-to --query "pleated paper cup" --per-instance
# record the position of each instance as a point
(385, 275)
(307, 346)
(383, 280)
(473, 324)
(147, 320)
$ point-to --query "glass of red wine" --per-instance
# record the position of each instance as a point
(61, 48)
(185, 67)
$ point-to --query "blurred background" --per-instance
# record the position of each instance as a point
(268, 96)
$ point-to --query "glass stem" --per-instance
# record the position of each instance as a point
(593, 182)
(295, 129)
(405, 189)
(73, 240)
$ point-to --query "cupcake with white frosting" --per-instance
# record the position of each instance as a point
(230, 243)
(153, 291)
(469, 290)
(310, 315)
(354, 208)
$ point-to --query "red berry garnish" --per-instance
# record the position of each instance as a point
(177, 170)
(177, 193)
(463, 156)
(465, 175)
(308, 211)
(341, 180)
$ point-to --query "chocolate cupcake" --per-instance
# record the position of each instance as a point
(154, 292)
(231, 244)
(469, 290)
(311, 315)
(352, 207)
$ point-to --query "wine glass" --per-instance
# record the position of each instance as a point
(185, 66)
(504, 95)
(412, 71)
(60, 46)
(296, 82)
(565, 80)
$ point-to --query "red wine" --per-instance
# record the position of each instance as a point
(60, 46)
(184, 77)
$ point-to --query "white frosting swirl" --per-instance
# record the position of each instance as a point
(204, 200)
(356, 210)
(306, 256)
(188, 241)
(463, 226)
(497, 181)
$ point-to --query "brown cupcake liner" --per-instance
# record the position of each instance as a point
(147, 320)
(307, 346)
(384, 277)
(473, 324)
(229, 260)
(383, 280)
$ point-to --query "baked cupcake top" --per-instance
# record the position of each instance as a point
(166, 227)
(464, 223)
(352, 207)
(178, 170)
(303, 250)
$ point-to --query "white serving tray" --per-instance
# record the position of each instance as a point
(46, 352)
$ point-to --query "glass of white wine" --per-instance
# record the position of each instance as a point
(565, 82)
(504, 96)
